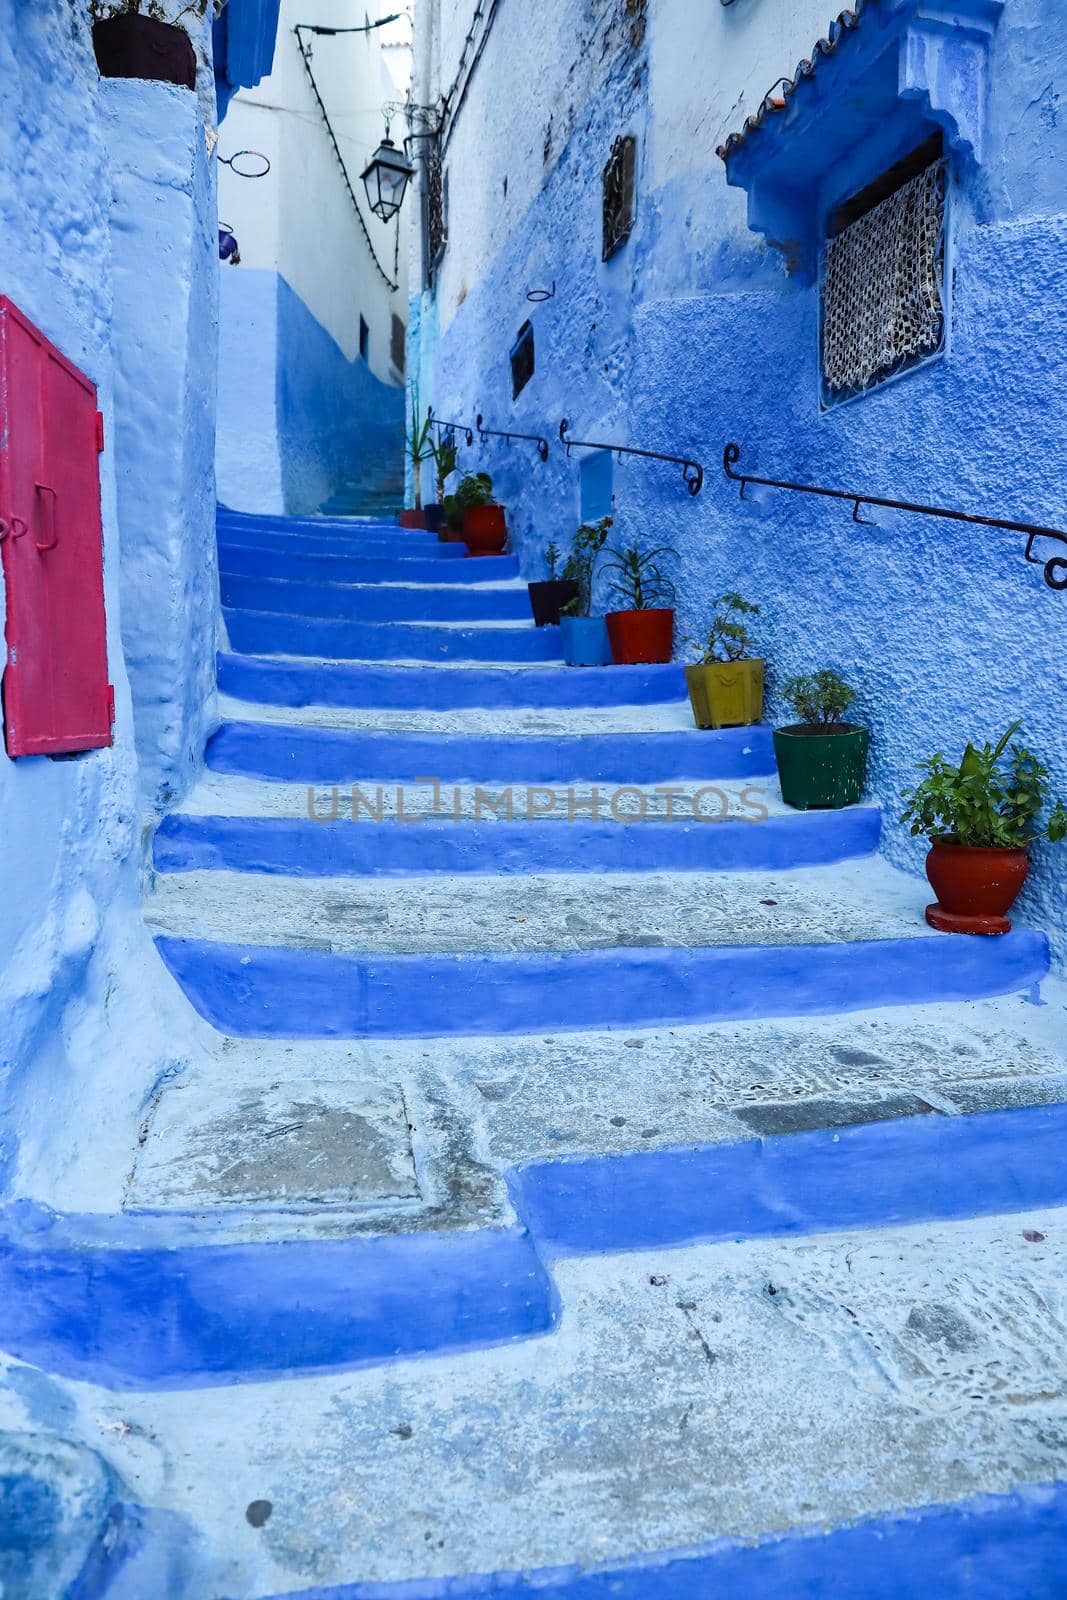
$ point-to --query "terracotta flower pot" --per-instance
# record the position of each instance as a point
(132, 46)
(485, 533)
(640, 636)
(975, 886)
(726, 694)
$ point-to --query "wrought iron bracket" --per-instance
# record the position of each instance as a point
(494, 433)
(1055, 567)
(450, 427)
(692, 471)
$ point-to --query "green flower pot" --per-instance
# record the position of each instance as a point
(818, 768)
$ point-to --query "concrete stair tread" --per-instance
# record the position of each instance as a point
(663, 717)
(844, 903)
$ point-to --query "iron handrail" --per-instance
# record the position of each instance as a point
(494, 433)
(450, 427)
(1055, 568)
(692, 471)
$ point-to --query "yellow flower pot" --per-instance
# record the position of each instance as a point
(726, 694)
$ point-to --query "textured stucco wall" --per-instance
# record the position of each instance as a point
(164, 332)
(695, 333)
(297, 419)
(89, 1020)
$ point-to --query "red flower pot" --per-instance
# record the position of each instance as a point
(485, 533)
(412, 519)
(974, 886)
(638, 636)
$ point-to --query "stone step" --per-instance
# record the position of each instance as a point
(506, 722)
(266, 633)
(379, 544)
(326, 756)
(378, 602)
(250, 562)
(302, 848)
(326, 683)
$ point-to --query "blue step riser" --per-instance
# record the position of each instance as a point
(264, 632)
(377, 546)
(130, 1303)
(1000, 1547)
(425, 688)
(376, 602)
(250, 522)
(323, 756)
(369, 849)
(342, 539)
(241, 563)
(266, 993)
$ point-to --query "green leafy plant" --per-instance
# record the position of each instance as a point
(101, 10)
(819, 698)
(639, 581)
(729, 638)
(445, 452)
(475, 489)
(418, 441)
(993, 799)
(552, 560)
(580, 568)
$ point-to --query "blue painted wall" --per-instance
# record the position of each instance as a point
(297, 420)
(695, 333)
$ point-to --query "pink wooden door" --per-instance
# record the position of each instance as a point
(56, 694)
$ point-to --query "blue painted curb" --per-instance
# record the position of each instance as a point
(306, 683)
(266, 632)
(377, 602)
(341, 848)
(263, 992)
(236, 561)
(1002, 1547)
(380, 546)
(326, 755)
(130, 1302)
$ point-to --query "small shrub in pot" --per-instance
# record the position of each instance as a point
(548, 597)
(822, 760)
(642, 629)
(726, 682)
(584, 637)
(981, 818)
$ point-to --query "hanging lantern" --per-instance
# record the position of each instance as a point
(386, 179)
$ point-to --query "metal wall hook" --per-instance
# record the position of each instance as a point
(539, 295)
(1054, 568)
(450, 427)
(494, 433)
(692, 471)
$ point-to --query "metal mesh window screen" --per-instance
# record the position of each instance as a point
(397, 342)
(434, 199)
(619, 195)
(883, 303)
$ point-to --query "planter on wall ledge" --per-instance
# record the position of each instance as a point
(485, 532)
(726, 694)
(975, 886)
(641, 636)
(547, 600)
(822, 767)
(133, 46)
(410, 518)
(585, 641)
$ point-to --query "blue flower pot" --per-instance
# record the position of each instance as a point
(585, 641)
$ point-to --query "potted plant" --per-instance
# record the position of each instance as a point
(981, 818)
(445, 452)
(643, 627)
(473, 513)
(136, 39)
(822, 761)
(548, 596)
(726, 683)
(418, 442)
(584, 638)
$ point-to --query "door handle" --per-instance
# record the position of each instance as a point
(46, 516)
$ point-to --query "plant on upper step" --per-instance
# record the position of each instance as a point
(642, 629)
(418, 439)
(472, 511)
(584, 638)
(548, 597)
(445, 453)
(981, 818)
(726, 681)
(822, 760)
(102, 10)
(589, 541)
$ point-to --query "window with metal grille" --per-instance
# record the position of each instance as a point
(619, 195)
(522, 359)
(884, 291)
(398, 342)
(435, 202)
